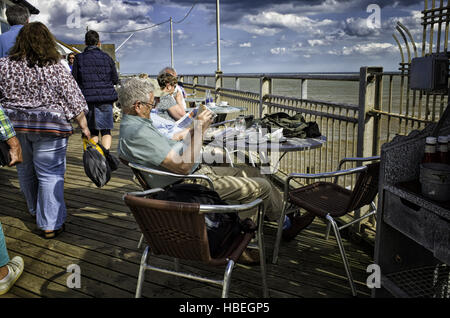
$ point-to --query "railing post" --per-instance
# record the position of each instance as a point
(219, 83)
(237, 83)
(370, 97)
(194, 84)
(265, 88)
(304, 89)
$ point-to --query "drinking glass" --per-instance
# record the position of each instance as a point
(240, 125)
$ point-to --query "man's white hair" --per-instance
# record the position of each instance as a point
(134, 90)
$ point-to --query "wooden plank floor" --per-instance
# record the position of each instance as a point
(101, 237)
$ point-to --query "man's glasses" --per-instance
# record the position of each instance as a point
(149, 105)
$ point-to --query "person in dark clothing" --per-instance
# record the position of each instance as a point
(96, 74)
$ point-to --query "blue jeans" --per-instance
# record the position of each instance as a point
(41, 177)
(4, 257)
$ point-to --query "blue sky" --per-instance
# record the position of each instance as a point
(256, 36)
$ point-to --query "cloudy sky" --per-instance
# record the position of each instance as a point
(262, 36)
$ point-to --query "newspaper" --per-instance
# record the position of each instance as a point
(187, 121)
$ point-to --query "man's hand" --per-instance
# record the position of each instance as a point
(206, 118)
(15, 151)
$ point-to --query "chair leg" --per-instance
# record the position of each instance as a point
(279, 233)
(227, 279)
(343, 255)
(140, 241)
(141, 276)
(262, 261)
(327, 231)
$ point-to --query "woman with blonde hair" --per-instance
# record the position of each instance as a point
(41, 98)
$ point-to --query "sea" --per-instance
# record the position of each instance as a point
(345, 92)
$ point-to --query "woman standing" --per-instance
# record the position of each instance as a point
(40, 98)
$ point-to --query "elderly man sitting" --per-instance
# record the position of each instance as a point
(142, 143)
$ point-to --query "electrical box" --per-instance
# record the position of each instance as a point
(429, 73)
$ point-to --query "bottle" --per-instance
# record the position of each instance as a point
(210, 99)
(442, 149)
(207, 97)
(430, 150)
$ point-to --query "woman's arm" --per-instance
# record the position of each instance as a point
(82, 122)
(177, 111)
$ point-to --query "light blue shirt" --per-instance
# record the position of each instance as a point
(140, 142)
(8, 39)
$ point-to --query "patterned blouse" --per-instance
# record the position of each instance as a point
(40, 100)
(163, 106)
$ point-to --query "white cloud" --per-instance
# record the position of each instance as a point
(278, 50)
(181, 35)
(366, 49)
(317, 42)
(68, 20)
(247, 44)
(270, 23)
(204, 62)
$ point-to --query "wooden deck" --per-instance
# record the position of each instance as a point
(101, 237)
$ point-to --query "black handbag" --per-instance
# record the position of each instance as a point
(5, 158)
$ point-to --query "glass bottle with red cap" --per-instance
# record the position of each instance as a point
(430, 154)
(442, 149)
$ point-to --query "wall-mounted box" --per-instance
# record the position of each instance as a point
(429, 73)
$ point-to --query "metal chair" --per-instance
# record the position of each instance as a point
(178, 230)
(328, 200)
(140, 170)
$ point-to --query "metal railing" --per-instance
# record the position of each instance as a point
(380, 104)
(381, 107)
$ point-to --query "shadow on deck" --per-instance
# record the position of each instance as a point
(101, 237)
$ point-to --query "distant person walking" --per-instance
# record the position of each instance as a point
(16, 16)
(41, 98)
(96, 74)
(70, 60)
(10, 269)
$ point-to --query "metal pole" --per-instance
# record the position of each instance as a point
(171, 43)
(218, 34)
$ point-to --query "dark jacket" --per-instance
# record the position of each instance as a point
(96, 74)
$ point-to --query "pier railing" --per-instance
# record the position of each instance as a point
(382, 106)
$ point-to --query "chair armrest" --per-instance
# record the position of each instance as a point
(143, 193)
(205, 208)
(357, 159)
(223, 123)
(322, 175)
(170, 174)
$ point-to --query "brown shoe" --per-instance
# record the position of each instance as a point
(298, 223)
(249, 257)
